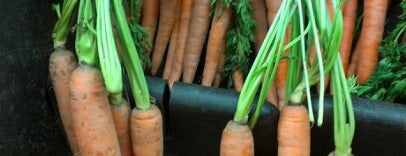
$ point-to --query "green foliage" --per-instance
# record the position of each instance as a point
(389, 80)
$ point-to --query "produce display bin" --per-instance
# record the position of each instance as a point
(194, 116)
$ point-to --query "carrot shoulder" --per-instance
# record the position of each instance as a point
(91, 114)
(370, 39)
(147, 132)
(236, 140)
(121, 117)
(167, 16)
(217, 40)
(198, 29)
(293, 131)
(61, 65)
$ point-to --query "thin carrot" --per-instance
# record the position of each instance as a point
(172, 45)
(259, 15)
(149, 20)
(237, 140)
(293, 131)
(222, 61)
(199, 25)
(217, 40)
(370, 39)
(167, 16)
(146, 132)
(121, 117)
(185, 15)
(238, 80)
(92, 120)
(61, 65)
(349, 18)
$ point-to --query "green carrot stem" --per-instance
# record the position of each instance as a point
(61, 28)
(131, 59)
(85, 42)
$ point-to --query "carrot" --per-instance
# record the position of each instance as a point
(172, 45)
(185, 15)
(259, 15)
(121, 117)
(293, 131)
(149, 20)
(236, 140)
(349, 19)
(222, 61)
(370, 39)
(146, 132)
(238, 80)
(273, 7)
(217, 40)
(91, 115)
(199, 25)
(61, 65)
(167, 16)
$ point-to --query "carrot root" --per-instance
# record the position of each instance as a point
(121, 117)
(236, 140)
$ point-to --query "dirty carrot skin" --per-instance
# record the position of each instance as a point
(149, 20)
(167, 16)
(61, 65)
(172, 45)
(293, 131)
(370, 38)
(185, 15)
(121, 116)
(217, 40)
(199, 26)
(146, 132)
(237, 140)
(92, 120)
(259, 14)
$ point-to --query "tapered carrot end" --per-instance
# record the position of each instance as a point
(236, 140)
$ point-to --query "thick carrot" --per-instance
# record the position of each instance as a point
(91, 115)
(371, 36)
(217, 40)
(238, 80)
(61, 65)
(172, 45)
(199, 25)
(185, 15)
(273, 7)
(121, 117)
(146, 132)
(222, 61)
(259, 15)
(149, 20)
(236, 140)
(349, 19)
(167, 16)
(293, 131)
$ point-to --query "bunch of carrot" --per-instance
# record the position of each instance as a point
(96, 117)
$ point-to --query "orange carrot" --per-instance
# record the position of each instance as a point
(149, 20)
(293, 131)
(61, 65)
(349, 18)
(222, 61)
(167, 16)
(185, 15)
(91, 115)
(236, 140)
(199, 25)
(146, 132)
(273, 7)
(259, 15)
(238, 80)
(172, 45)
(217, 40)
(370, 39)
(121, 117)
